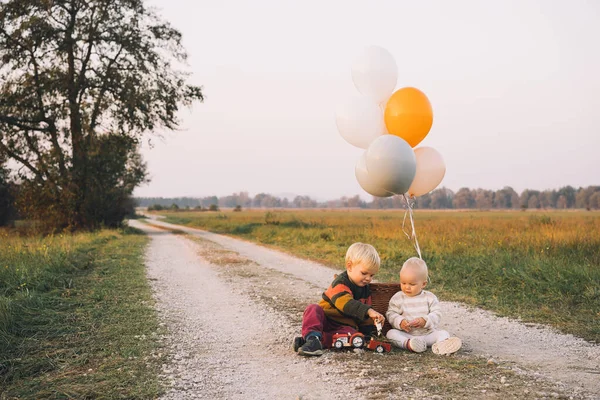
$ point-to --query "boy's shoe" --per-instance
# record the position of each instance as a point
(448, 346)
(298, 342)
(312, 347)
(416, 345)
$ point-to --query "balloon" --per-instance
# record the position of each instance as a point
(375, 73)
(359, 121)
(362, 176)
(408, 115)
(391, 164)
(430, 171)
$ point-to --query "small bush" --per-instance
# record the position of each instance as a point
(237, 208)
(271, 218)
(213, 207)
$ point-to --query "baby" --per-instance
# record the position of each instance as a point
(415, 313)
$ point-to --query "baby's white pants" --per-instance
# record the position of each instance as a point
(399, 338)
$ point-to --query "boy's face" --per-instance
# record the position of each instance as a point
(411, 282)
(359, 274)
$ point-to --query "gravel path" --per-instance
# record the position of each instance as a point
(241, 348)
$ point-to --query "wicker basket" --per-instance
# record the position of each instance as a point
(381, 293)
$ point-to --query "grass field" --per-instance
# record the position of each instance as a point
(539, 266)
(77, 318)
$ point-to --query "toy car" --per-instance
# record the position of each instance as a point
(379, 346)
(341, 340)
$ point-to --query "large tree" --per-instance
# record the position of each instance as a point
(80, 82)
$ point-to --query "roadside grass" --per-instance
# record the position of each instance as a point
(541, 267)
(77, 318)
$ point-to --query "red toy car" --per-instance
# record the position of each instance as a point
(341, 340)
(358, 340)
(379, 346)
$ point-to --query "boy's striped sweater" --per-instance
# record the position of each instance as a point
(346, 303)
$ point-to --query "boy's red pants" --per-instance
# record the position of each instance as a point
(314, 320)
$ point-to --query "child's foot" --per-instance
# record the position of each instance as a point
(312, 347)
(416, 345)
(448, 346)
(298, 342)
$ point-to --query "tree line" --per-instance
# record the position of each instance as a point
(443, 198)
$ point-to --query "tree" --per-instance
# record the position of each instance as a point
(6, 197)
(525, 195)
(583, 196)
(424, 201)
(79, 77)
(463, 199)
(548, 199)
(568, 192)
(533, 202)
(504, 198)
(561, 202)
(484, 199)
(594, 202)
(441, 198)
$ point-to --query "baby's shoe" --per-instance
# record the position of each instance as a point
(416, 345)
(448, 346)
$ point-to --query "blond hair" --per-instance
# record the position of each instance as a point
(363, 253)
(416, 264)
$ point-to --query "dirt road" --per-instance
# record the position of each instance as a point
(232, 308)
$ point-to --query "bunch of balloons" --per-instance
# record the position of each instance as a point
(388, 124)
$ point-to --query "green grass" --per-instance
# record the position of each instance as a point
(77, 318)
(539, 266)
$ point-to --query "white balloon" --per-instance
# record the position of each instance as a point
(359, 121)
(365, 182)
(430, 171)
(375, 73)
(391, 163)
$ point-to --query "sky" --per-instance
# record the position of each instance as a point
(514, 86)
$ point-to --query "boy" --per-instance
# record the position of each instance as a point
(415, 314)
(346, 304)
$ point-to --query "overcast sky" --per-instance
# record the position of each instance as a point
(514, 85)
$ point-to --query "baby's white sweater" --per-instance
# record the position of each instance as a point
(424, 305)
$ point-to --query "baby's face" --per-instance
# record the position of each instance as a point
(411, 282)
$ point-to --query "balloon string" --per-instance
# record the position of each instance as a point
(413, 235)
(412, 224)
(404, 219)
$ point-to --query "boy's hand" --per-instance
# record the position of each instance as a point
(405, 326)
(418, 323)
(376, 316)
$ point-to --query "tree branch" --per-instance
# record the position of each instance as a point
(23, 161)
(84, 63)
(56, 147)
(22, 124)
(103, 90)
(36, 151)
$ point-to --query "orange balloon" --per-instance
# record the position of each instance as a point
(408, 114)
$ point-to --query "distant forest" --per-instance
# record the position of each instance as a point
(507, 198)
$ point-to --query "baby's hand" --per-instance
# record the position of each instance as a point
(377, 317)
(418, 323)
(405, 325)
